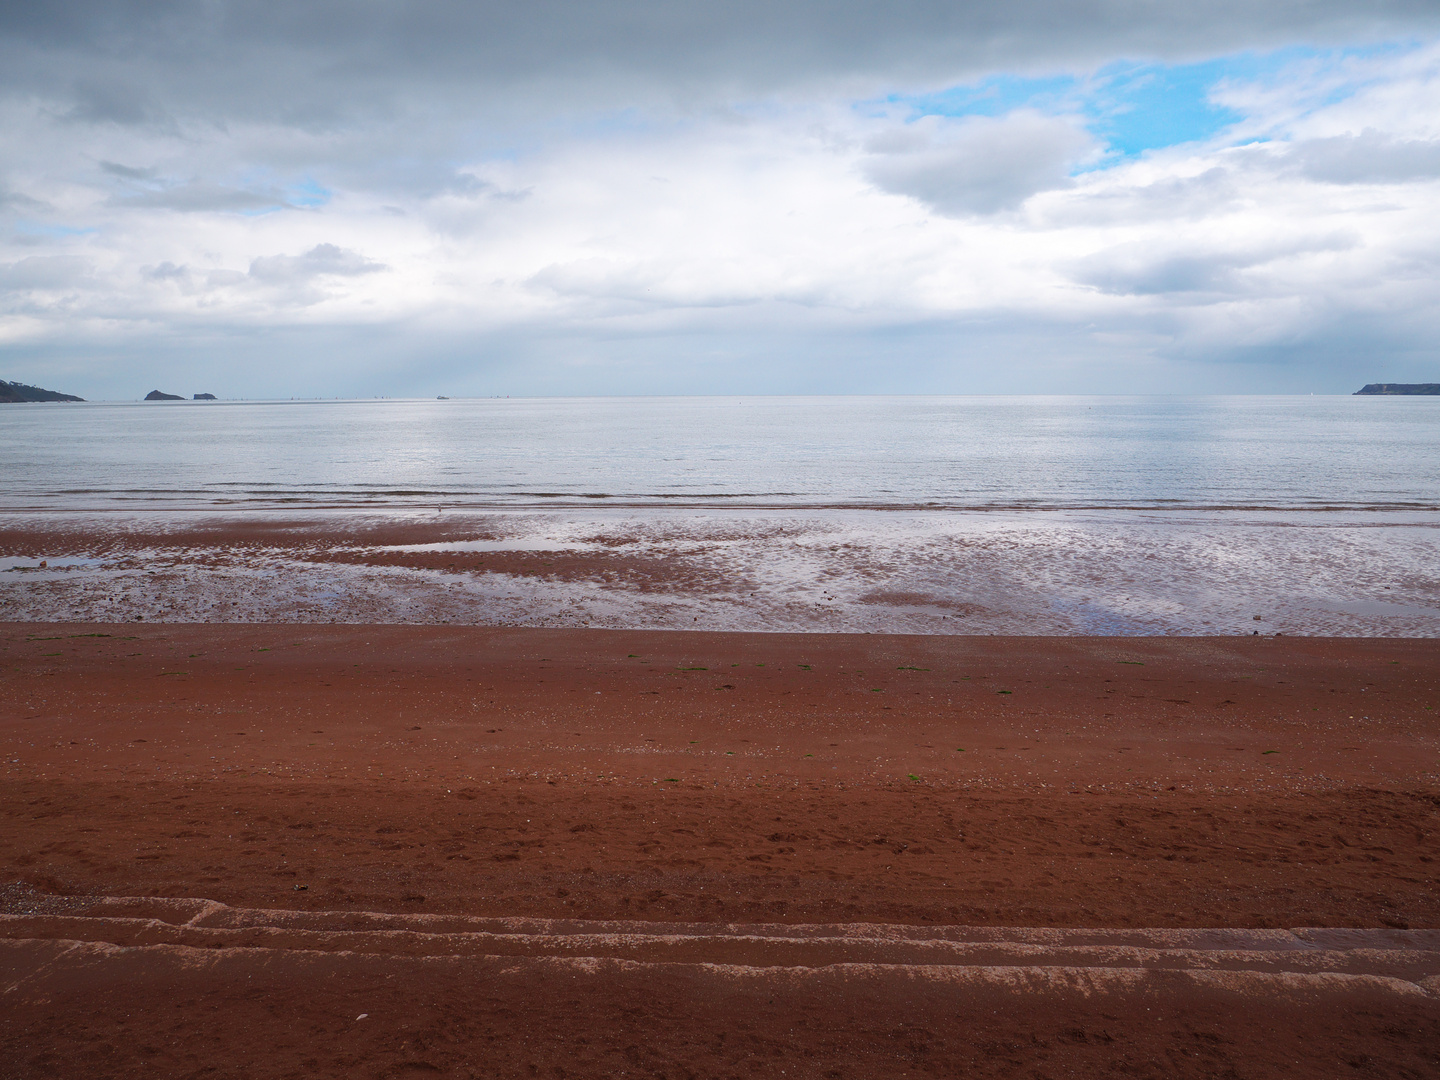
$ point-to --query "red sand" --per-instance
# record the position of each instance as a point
(714, 779)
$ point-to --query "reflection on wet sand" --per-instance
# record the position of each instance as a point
(891, 571)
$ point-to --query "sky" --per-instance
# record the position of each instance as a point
(574, 197)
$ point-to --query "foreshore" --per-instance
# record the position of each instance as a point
(689, 780)
(1317, 572)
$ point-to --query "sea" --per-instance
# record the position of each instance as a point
(1298, 453)
(955, 515)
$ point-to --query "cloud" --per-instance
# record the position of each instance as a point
(115, 101)
(202, 197)
(166, 271)
(323, 260)
(44, 272)
(1214, 191)
(977, 165)
(272, 285)
(20, 201)
(1151, 269)
(126, 172)
(1372, 157)
(312, 59)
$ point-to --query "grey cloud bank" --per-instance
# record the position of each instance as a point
(121, 61)
(614, 198)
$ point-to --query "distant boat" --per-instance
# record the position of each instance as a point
(441, 397)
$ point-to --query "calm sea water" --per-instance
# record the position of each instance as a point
(1282, 453)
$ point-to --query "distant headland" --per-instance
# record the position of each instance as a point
(12, 393)
(1399, 388)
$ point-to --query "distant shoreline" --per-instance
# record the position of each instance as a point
(1423, 389)
(17, 393)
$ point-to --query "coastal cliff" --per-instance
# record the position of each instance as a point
(12, 393)
(1399, 388)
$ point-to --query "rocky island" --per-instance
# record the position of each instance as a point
(160, 395)
(12, 393)
(1398, 388)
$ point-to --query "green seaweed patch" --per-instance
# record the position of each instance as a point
(959, 749)
(804, 667)
(912, 669)
(692, 669)
(1264, 752)
(1137, 663)
(1004, 691)
(912, 776)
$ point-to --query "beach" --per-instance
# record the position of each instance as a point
(569, 842)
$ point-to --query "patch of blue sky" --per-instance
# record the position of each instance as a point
(1132, 107)
(995, 96)
(309, 194)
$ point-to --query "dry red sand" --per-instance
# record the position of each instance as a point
(708, 778)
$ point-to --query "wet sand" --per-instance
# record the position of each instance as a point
(582, 853)
(835, 570)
